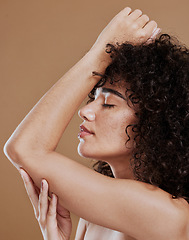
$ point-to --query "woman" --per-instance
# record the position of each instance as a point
(127, 119)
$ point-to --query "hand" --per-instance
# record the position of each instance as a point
(128, 26)
(54, 220)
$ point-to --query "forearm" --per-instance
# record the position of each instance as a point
(43, 127)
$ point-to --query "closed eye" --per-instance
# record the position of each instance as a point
(108, 105)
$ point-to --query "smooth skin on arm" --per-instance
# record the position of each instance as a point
(54, 220)
(139, 210)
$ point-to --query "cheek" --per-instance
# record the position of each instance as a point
(110, 129)
(113, 131)
(128, 119)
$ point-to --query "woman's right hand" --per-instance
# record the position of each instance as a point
(128, 26)
(54, 220)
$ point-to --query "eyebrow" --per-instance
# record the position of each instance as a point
(109, 90)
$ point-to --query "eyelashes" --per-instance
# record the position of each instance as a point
(108, 105)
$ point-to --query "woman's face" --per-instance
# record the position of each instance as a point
(102, 134)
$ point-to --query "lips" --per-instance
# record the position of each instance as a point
(84, 129)
(84, 132)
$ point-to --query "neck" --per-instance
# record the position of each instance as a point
(122, 169)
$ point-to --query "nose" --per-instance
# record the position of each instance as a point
(87, 113)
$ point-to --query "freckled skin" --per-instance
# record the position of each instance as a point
(108, 125)
(108, 144)
(126, 205)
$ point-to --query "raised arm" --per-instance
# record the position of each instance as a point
(43, 127)
(40, 131)
(32, 147)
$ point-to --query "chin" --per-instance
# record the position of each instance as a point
(83, 151)
(94, 153)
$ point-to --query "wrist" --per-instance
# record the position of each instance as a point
(98, 59)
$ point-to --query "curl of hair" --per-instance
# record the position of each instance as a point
(158, 78)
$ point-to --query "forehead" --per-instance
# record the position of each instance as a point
(119, 86)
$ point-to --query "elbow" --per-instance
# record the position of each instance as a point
(13, 153)
(20, 154)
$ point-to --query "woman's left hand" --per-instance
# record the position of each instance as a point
(54, 220)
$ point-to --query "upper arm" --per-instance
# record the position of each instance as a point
(81, 229)
(135, 208)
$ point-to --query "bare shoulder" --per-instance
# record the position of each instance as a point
(163, 216)
(182, 207)
(180, 210)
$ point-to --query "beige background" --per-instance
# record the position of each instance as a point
(39, 41)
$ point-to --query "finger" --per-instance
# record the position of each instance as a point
(30, 189)
(43, 203)
(150, 27)
(126, 11)
(142, 21)
(135, 14)
(155, 33)
(52, 206)
(52, 213)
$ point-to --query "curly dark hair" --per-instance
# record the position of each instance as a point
(158, 78)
